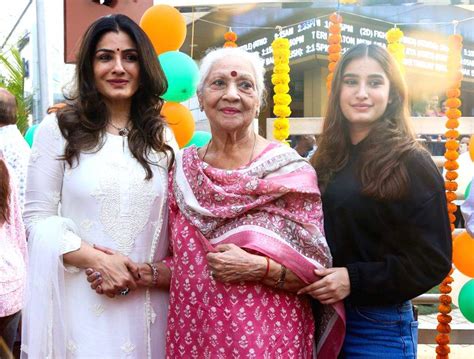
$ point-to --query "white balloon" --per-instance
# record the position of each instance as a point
(459, 280)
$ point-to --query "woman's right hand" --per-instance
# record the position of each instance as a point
(113, 273)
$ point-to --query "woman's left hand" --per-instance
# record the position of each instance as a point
(232, 264)
(333, 286)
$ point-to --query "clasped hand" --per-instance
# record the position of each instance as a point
(114, 273)
(334, 285)
(231, 264)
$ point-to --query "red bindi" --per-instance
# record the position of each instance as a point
(233, 73)
(118, 50)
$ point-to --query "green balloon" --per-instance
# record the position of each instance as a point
(466, 300)
(468, 190)
(30, 135)
(199, 139)
(182, 75)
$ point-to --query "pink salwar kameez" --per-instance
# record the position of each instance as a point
(271, 206)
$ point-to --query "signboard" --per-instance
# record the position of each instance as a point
(78, 15)
(309, 37)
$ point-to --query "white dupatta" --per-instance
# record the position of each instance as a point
(44, 295)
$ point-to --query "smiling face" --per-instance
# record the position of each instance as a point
(116, 67)
(229, 96)
(364, 94)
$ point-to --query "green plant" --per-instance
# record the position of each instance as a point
(13, 79)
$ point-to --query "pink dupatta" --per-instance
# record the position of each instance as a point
(272, 206)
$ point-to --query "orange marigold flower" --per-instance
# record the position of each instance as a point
(451, 175)
(444, 288)
(451, 165)
(452, 227)
(452, 122)
(230, 44)
(452, 219)
(444, 318)
(335, 29)
(334, 48)
(335, 18)
(332, 66)
(451, 196)
(451, 155)
(448, 280)
(334, 57)
(453, 93)
(442, 350)
(443, 328)
(445, 299)
(452, 207)
(453, 134)
(334, 39)
(453, 102)
(442, 339)
(452, 145)
(451, 186)
(453, 114)
(230, 36)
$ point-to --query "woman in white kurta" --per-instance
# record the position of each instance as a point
(100, 197)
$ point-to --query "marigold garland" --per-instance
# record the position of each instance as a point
(280, 80)
(453, 114)
(230, 38)
(395, 47)
(334, 48)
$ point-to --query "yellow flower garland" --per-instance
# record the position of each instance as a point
(334, 48)
(280, 80)
(451, 165)
(395, 47)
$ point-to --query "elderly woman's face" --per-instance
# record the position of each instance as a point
(229, 96)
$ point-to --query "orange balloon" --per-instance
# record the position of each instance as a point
(463, 254)
(180, 120)
(165, 26)
(471, 148)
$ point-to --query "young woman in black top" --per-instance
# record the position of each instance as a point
(384, 206)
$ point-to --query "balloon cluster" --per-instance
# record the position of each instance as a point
(166, 28)
(463, 260)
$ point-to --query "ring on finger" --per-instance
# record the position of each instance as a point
(124, 291)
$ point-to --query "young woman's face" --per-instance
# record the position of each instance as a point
(116, 67)
(364, 93)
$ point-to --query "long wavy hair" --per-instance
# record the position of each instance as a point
(4, 193)
(381, 170)
(84, 119)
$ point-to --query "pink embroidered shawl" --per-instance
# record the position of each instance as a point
(271, 206)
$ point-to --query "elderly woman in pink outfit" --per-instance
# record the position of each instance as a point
(246, 234)
(12, 258)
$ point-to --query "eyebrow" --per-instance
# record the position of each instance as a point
(112, 51)
(371, 76)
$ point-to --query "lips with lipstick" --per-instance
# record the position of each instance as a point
(230, 110)
(118, 82)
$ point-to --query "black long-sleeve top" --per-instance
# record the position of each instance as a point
(393, 250)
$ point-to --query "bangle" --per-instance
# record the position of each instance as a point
(154, 273)
(268, 268)
(281, 281)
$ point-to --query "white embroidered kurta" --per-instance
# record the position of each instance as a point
(109, 203)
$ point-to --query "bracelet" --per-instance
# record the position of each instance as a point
(154, 271)
(268, 268)
(281, 281)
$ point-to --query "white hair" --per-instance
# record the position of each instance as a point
(253, 58)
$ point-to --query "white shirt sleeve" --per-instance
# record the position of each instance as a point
(467, 210)
(45, 180)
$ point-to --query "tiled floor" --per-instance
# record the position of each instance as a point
(428, 351)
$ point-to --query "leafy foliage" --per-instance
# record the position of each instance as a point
(13, 79)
